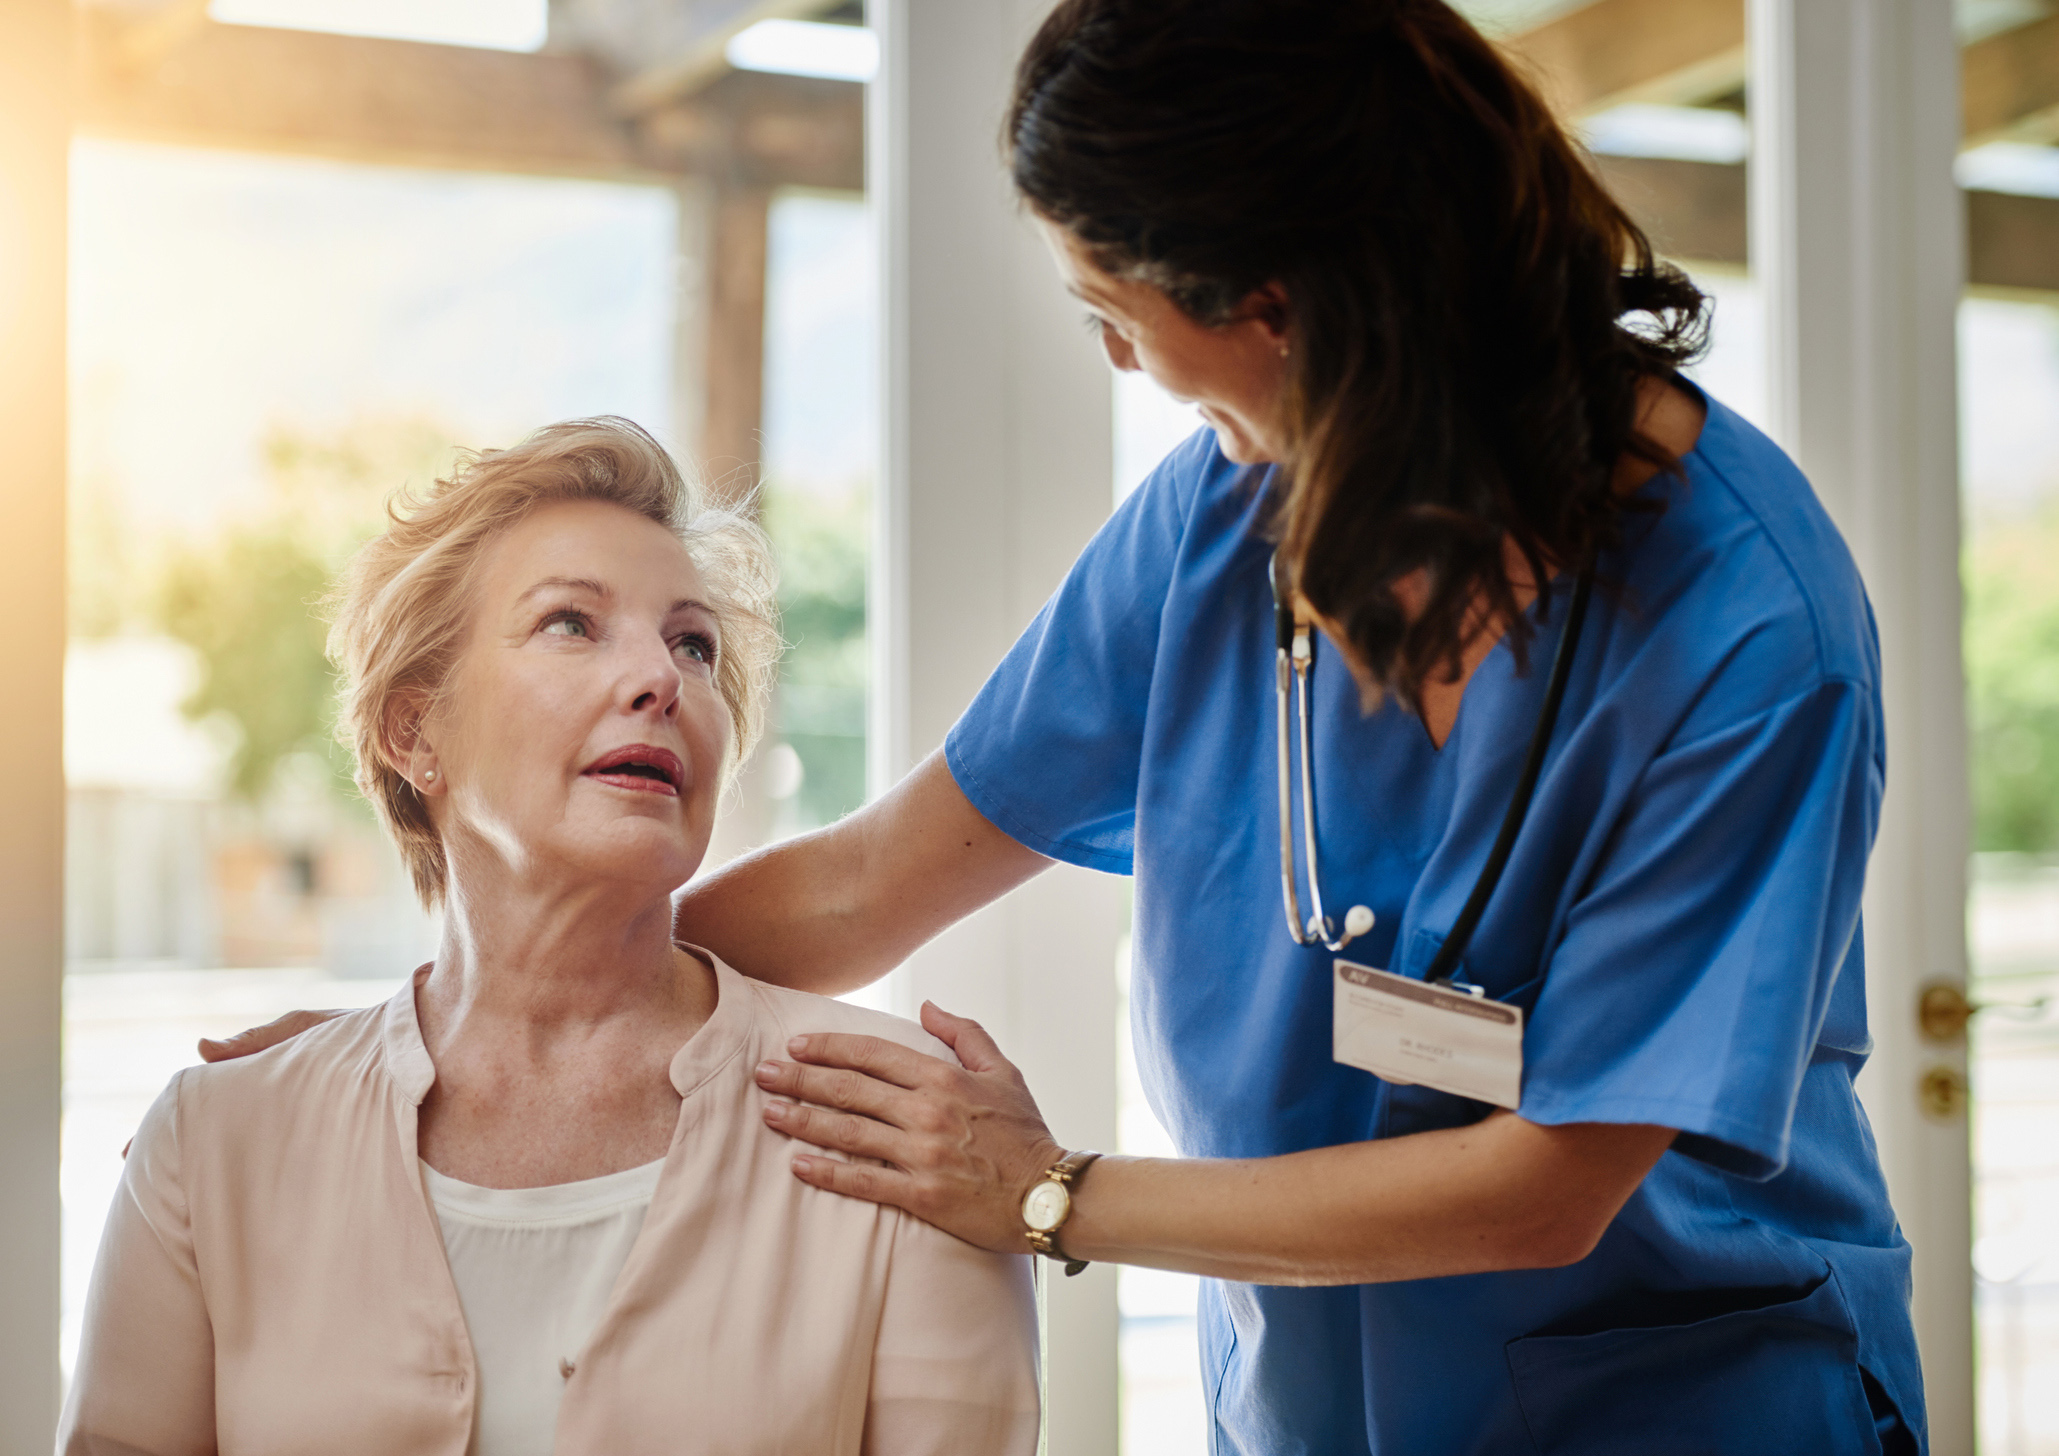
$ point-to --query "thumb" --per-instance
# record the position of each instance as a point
(977, 1052)
(262, 1038)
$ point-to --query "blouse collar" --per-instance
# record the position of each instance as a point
(720, 1038)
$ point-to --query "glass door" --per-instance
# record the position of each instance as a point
(2009, 352)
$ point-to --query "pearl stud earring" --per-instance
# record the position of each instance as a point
(430, 776)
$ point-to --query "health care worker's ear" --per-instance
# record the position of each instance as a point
(405, 744)
(1269, 308)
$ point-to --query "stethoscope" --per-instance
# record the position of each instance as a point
(1293, 671)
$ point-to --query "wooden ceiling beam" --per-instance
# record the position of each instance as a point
(2012, 242)
(1695, 211)
(147, 40)
(405, 103)
(1689, 210)
(2009, 84)
(756, 130)
(702, 62)
(1684, 52)
(356, 98)
(1673, 52)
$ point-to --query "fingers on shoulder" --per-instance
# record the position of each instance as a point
(263, 1038)
(847, 1132)
(869, 1181)
(875, 1056)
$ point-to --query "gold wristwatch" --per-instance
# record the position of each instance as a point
(1048, 1204)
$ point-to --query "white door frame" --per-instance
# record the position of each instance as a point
(1858, 245)
(997, 429)
(35, 148)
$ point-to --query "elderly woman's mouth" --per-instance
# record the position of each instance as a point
(640, 768)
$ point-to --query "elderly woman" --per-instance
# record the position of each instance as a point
(530, 1203)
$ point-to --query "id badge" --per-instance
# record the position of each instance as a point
(1405, 1032)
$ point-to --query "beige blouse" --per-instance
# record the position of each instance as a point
(272, 1279)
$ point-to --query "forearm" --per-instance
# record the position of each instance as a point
(1502, 1194)
(837, 909)
(788, 913)
(960, 1144)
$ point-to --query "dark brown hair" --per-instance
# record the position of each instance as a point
(1461, 288)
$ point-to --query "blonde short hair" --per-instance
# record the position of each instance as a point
(400, 611)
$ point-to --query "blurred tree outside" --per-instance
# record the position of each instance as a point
(2012, 671)
(243, 604)
(822, 543)
(246, 600)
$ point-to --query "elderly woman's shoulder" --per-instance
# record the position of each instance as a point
(289, 1097)
(345, 1048)
(800, 1012)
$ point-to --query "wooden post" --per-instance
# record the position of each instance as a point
(731, 449)
(721, 355)
(35, 139)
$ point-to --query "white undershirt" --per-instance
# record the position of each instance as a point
(534, 1269)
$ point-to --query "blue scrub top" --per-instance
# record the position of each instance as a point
(1680, 921)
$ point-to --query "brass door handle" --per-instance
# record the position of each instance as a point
(1942, 1011)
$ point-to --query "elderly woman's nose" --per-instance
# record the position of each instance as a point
(653, 680)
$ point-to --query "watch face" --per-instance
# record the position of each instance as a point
(1046, 1206)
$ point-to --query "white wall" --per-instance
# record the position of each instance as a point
(996, 432)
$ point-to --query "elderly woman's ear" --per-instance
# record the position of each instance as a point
(406, 745)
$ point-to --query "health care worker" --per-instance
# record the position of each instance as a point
(1437, 364)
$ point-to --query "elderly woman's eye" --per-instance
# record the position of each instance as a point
(568, 624)
(696, 647)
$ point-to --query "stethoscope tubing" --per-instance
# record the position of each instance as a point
(1294, 657)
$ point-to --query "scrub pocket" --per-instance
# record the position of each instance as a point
(1778, 1379)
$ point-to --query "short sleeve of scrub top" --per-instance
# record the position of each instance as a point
(1679, 921)
(1077, 801)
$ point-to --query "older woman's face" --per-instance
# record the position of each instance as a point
(583, 735)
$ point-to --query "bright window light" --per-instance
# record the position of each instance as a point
(2010, 167)
(502, 25)
(1688, 133)
(806, 48)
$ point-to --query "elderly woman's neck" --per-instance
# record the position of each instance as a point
(552, 1019)
(566, 957)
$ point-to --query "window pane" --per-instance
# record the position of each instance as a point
(820, 442)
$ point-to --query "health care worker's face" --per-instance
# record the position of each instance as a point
(1236, 373)
(583, 736)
